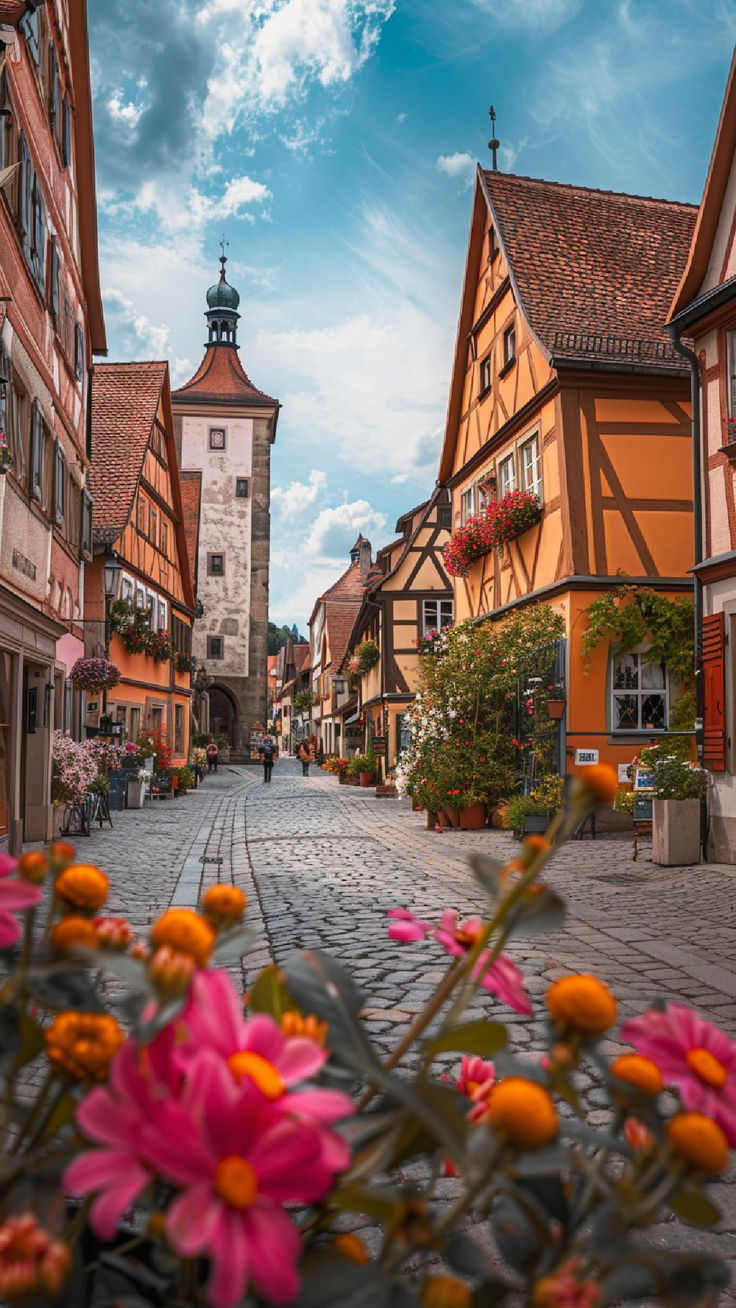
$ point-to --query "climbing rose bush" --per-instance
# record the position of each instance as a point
(243, 1132)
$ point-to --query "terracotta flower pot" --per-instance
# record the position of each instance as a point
(367, 779)
(555, 708)
(449, 817)
(473, 816)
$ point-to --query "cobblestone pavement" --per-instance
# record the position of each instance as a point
(322, 864)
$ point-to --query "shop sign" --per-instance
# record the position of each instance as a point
(584, 758)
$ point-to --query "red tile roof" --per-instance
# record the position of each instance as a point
(595, 271)
(125, 401)
(220, 377)
(190, 482)
(300, 654)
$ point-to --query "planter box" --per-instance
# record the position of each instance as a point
(136, 793)
(535, 824)
(676, 832)
(473, 817)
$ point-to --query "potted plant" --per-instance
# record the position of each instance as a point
(679, 795)
(556, 700)
(363, 766)
(136, 791)
(531, 814)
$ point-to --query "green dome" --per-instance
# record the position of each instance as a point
(222, 295)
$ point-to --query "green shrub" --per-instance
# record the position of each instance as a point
(675, 779)
(361, 763)
(545, 798)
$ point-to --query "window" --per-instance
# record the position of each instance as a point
(18, 429)
(467, 503)
(509, 346)
(66, 140)
(163, 615)
(59, 484)
(55, 113)
(506, 475)
(436, 615)
(142, 514)
(30, 26)
(135, 723)
(639, 694)
(54, 275)
(153, 524)
(531, 467)
(214, 647)
(164, 538)
(126, 589)
(217, 438)
(140, 596)
(38, 454)
(444, 516)
(485, 374)
(78, 352)
(156, 715)
(5, 390)
(241, 488)
(178, 728)
(87, 527)
(216, 565)
(151, 607)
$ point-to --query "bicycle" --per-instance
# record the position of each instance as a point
(75, 821)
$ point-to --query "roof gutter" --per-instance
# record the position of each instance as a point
(674, 329)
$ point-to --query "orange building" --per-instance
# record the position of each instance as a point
(704, 310)
(51, 323)
(566, 386)
(138, 522)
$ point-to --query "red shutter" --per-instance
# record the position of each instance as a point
(714, 684)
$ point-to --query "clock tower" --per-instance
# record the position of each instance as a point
(225, 428)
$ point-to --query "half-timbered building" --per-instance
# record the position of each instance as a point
(566, 386)
(704, 309)
(407, 602)
(138, 521)
(334, 708)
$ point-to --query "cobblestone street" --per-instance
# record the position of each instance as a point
(321, 865)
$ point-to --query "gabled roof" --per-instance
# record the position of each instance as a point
(221, 379)
(594, 271)
(714, 193)
(347, 587)
(191, 496)
(125, 401)
(300, 654)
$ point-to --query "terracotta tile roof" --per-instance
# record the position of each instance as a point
(596, 271)
(340, 618)
(347, 587)
(125, 400)
(301, 658)
(220, 376)
(190, 482)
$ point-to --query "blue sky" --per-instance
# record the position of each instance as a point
(334, 143)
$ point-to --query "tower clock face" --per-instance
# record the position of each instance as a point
(217, 438)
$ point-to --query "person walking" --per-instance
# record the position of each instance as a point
(212, 753)
(305, 754)
(268, 754)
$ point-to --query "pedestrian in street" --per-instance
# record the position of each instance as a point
(212, 753)
(305, 754)
(268, 754)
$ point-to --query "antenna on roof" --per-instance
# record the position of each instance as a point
(494, 143)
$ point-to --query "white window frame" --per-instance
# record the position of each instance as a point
(467, 503)
(509, 345)
(140, 596)
(163, 615)
(507, 484)
(533, 483)
(485, 374)
(638, 692)
(127, 588)
(442, 609)
(152, 608)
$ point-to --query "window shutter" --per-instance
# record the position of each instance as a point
(714, 736)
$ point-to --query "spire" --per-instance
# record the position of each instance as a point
(222, 305)
(494, 143)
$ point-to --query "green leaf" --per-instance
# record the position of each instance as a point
(32, 1041)
(63, 1115)
(543, 912)
(379, 1203)
(471, 1038)
(232, 945)
(270, 994)
(693, 1207)
(321, 986)
(161, 1018)
(486, 870)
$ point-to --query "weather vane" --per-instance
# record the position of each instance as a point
(494, 143)
(223, 256)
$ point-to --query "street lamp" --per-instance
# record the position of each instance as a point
(338, 685)
(110, 573)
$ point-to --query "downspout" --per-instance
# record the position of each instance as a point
(692, 359)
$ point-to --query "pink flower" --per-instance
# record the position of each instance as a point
(477, 1077)
(456, 937)
(237, 1162)
(693, 1055)
(257, 1049)
(504, 979)
(406, 926)
(14, 895)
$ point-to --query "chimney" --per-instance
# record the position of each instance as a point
(365, 559)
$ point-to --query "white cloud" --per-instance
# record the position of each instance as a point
(290, 503)
(457, 165)
(537, 17)
(127, 114)
(153, 339)
(239, 192)
(334, 531)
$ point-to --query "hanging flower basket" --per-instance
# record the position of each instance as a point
(184, 662)
(503, 520)
(94, 674)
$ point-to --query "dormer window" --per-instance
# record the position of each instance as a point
(509, 346)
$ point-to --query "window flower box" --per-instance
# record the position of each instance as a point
(502, 521)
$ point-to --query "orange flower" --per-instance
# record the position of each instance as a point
(73, 931)
(82, 885)
(445, 1292)
(293, 1024)
(185, 931)
(699, 1140)
(638, 1071)
(82, 1045)
(223, 905)
(536, 845)
(32, 866)
(522, 1111)
(115, 933)
(563, 1288)
(170, 971)
(61, 854)
(582, 1002)
(351, 1247)
(600, 781)
(31, 1263)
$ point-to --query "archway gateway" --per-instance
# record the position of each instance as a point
(224, 713)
